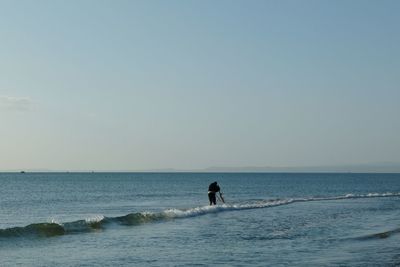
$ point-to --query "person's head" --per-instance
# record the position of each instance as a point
(215, 183)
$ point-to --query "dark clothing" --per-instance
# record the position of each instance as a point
(212, 189)
(212, 198)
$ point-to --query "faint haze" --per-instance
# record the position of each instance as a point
(185, 85)
(15, 103)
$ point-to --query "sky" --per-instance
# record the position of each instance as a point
(139, 85)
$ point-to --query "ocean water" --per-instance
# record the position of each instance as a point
(163, 219)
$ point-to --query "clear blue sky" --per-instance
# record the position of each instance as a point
(132, 85)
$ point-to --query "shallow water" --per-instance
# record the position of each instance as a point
(162, 219)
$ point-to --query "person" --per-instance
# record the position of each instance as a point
(214, 188)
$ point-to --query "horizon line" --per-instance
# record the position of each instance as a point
(377, 167)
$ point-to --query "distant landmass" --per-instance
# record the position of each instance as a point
(373, 167)
(384, 167)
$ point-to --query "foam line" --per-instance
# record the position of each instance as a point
(40, 230)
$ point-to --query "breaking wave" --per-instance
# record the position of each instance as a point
(133, 219)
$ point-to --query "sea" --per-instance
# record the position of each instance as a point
(164, 219)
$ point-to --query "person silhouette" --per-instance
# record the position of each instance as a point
(214, 188)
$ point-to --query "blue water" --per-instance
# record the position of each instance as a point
(163, 219)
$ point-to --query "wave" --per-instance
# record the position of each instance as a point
(380, 235)
(99, 223)
(37, 229)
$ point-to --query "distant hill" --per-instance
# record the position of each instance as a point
(371, 167)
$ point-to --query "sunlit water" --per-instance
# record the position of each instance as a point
(163, 219)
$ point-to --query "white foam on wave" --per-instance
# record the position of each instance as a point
(349, 196)
(94, 218)
(372, 195)
(56, 221)
(177, 213)
(197, 211)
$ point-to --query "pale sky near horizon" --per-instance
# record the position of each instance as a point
(133, 85)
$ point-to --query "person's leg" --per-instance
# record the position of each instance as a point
(214, 199)
(210, 198)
